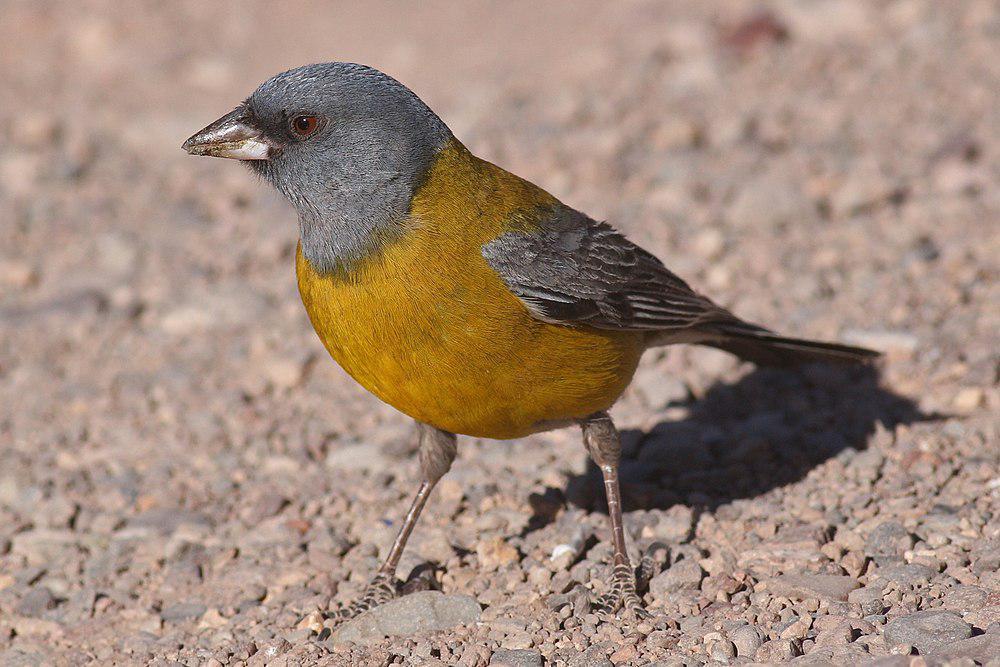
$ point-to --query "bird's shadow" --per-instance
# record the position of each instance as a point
(741, 440)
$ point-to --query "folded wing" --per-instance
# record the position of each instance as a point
(570, 269)
(575, 270)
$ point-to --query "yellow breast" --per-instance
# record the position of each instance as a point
(427, 326)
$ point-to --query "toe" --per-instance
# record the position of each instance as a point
(382, 588)
(422, 578)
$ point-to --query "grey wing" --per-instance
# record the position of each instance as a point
(575, 270)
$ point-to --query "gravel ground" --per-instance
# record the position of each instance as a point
(186, 477)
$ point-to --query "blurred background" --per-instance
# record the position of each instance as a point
(172, 433)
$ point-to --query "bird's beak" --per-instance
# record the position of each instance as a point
(233, 136)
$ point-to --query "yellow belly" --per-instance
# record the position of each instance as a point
(427, 326)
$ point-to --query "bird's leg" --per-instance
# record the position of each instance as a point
(604, 445)
(437, 451)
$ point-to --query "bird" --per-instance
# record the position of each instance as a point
(466, 297)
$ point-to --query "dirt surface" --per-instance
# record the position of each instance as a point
(185, 476)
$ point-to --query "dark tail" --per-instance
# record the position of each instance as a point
(761, 347)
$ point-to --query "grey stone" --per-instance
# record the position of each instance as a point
(674, 526)
(595, 656)
(870, 599)
(887, 542)
(659, 390)
(183, 611)
(747, 640)
(29, 575)
(722, 651)
(819, 586)
(767, 200)
(838, 635)
(690, 625)
(80, 605)
(778, 650)
(516, 658)
(683, 575)
(21, 657)
(36, 602)
(982, 649)
(267, 504)
(824, 656)
(928, 631)
(890, 661)
(140, 642)
(166, 521)
(986, 617)
(988, 560)
(578, 598)
(40, 546)
(965, 598)
(865, 189)
(911, 574)
(425, 611)
(56, 513)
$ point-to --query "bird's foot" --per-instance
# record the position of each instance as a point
(623, 596)
(626, 585)
(385, 587)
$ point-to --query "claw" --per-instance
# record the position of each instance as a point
(421, 579)
(651, 564)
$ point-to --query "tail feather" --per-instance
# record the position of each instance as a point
(764, 348)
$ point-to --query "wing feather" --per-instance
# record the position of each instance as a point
(575, 270)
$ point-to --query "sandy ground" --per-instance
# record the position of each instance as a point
(185, 475)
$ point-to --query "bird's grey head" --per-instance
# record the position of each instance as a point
(345, 143)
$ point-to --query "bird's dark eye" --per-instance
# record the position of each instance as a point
(304, 126)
